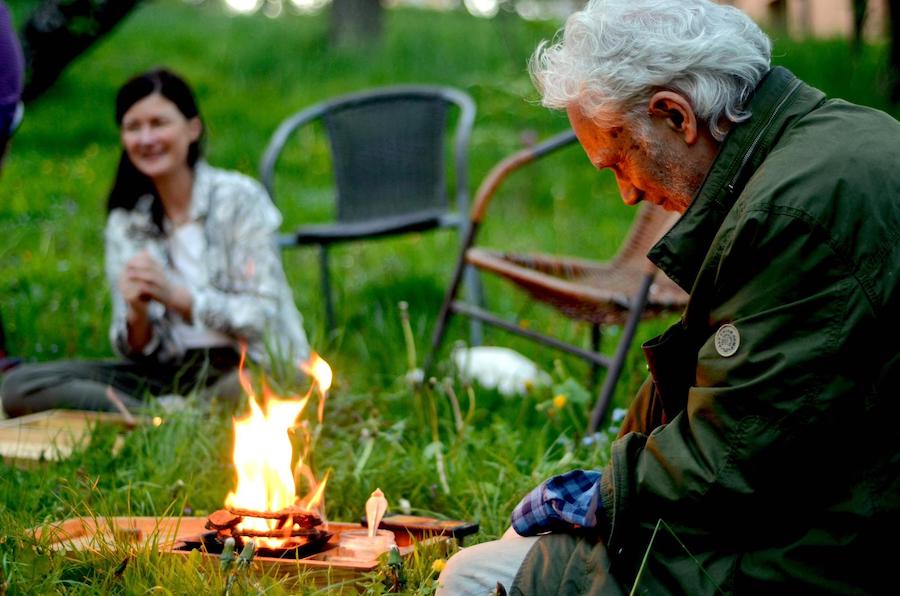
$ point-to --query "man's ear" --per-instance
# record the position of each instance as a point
(676, 112)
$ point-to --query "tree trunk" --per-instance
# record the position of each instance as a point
(355, 23)
(894, 10)
(58, 31)
(859, 23)
(778, 17)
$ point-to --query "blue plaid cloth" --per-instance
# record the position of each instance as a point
(572, 499)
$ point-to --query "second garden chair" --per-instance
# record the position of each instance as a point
(617, 292)
(388, 159)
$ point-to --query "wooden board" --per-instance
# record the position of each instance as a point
(51, 435)
(89, 533)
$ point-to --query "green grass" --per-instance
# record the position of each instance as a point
(249, 73)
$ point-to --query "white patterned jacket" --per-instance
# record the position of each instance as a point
(245, 294)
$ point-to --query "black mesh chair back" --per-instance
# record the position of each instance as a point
(389, 162)
(388, 156)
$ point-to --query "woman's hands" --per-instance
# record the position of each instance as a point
(142, 280)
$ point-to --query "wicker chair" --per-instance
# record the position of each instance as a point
(387, 148)
(618, 292)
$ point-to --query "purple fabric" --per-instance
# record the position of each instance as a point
(12, 65)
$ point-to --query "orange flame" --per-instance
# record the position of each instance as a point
(321, 373)
(263, 452)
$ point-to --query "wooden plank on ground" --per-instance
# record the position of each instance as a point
(51, 435)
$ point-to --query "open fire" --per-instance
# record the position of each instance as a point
(264, 504)
(290, 531)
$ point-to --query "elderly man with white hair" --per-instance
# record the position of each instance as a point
(760, 454)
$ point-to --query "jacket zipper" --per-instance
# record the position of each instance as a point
(749, 153)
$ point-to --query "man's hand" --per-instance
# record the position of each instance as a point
(561, 503)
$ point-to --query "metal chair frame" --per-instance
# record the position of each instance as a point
(347, 231)
(634, 305)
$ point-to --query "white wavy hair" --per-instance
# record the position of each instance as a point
(614, 54)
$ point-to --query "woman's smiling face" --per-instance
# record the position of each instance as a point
(156, 136)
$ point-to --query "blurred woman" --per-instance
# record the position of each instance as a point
(192, 264)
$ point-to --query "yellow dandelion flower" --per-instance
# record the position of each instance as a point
(559, 401)
(438, 565)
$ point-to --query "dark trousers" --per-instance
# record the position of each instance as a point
(83, 385)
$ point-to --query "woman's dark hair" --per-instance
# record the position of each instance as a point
(130, 184)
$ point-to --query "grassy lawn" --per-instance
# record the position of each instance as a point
(250, 73)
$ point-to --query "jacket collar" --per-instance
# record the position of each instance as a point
(779, 100)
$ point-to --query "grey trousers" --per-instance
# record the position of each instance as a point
(477, 569)
(82, 385)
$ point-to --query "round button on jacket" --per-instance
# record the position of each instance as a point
(727, 340)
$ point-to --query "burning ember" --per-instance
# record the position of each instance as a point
(264, 505)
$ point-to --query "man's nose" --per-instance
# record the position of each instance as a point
(631, 195)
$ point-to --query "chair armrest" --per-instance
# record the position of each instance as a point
(498, 173)
(278, 140)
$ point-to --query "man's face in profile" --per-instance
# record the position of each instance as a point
(649, 162)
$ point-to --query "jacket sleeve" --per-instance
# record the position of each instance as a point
(243, 303)
(753, 443)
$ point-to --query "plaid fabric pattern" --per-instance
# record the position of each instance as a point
(571, 499)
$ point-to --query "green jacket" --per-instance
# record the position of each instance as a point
(776, 467)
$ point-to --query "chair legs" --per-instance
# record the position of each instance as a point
(474, 295)
(326, 287)
(596, 337)
(597, 360)
(618, 362)
(440, 327)
(451, 306)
